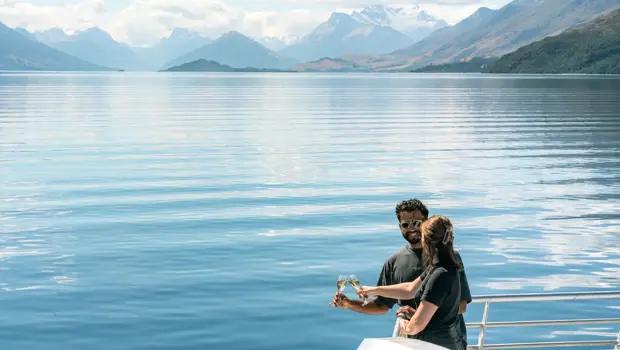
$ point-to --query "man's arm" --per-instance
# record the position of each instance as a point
(462, 307)
(371, 308)
(378, 307)
(465, 292)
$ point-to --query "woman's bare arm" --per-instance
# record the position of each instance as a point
(403, 291)
(420, 319)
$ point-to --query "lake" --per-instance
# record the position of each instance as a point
(216, 211)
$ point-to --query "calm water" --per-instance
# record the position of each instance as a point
(161, 211)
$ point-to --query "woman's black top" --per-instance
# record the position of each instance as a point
(441, 287)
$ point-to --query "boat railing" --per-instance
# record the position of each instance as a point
(487, 300)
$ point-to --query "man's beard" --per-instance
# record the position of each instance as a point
(413, 237)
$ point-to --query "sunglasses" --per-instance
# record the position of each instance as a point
(411, 224)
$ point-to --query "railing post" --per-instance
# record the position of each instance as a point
(483, 327)
(618, 342)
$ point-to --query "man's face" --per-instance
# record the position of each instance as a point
(410, 222)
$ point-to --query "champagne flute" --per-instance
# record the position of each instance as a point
(355, 283)
(341, 283)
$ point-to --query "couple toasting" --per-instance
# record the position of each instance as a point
(426, 278)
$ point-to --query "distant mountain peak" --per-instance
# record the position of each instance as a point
(52, 35)
(276, 43)
(483, 10)
(94, 34)
(409, 19)
(20, 53)
(238, 38)
(338, 17)
(95, 31)
(344, 34)
(233, 34)
(55, 30)
(183, 34)
(385, 15)
(423, 16)
(236, 50)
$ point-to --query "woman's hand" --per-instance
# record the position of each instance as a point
(366, 291)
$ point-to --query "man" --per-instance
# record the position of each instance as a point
(405, 266)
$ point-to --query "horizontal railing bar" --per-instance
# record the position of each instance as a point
(506, 298)
(545, 322)
(546, 345)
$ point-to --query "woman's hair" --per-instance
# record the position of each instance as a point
(438, 242)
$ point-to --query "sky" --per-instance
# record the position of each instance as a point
(144, 22)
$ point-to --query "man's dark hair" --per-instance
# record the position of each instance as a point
(411, 205)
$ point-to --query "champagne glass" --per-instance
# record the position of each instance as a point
(355, 283)
(341, 283)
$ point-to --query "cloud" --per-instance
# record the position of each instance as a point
(144, 22)
(147, 20)
(283, 24)
(33, 17)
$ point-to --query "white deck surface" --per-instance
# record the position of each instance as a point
(398, 343)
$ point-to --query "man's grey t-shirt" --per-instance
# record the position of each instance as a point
(405, 266)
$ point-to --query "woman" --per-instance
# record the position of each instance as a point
(437, 292)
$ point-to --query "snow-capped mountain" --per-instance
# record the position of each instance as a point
(411, 19)
(343, 35)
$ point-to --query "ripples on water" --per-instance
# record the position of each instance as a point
(161, 211)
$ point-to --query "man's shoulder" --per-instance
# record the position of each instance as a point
(458, 255)
(459, 259)
(403, 257)
(398, 254)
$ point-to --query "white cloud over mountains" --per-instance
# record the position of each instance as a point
(143, 22)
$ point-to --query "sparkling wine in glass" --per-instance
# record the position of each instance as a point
(355, 283)
(341, 283)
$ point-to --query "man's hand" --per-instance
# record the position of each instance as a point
(341, 301)
(406, 312)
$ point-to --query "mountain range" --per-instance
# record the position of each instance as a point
(376, 38)
(19, 51)
(236, 50)
(375, 29)
(181, 42)
(341, 35)
(93, 45)
(411, 20)
(593, 48)
(97, 46)
(491, 33)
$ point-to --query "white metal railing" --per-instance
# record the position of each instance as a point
(488, 299)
